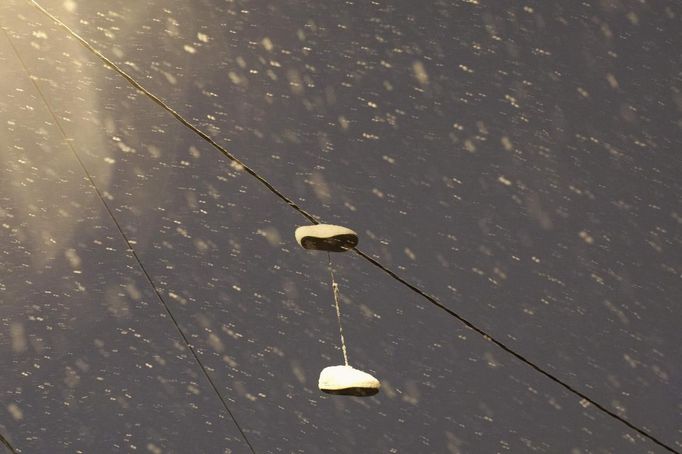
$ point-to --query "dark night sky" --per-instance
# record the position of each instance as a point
(520, 163)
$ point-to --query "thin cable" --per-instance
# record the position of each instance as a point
(335, 289)
(177, 116)
(518, 356)
(7, 444)
(314, 220)
(131, 250)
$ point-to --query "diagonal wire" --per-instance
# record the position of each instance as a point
(177, 116)
(129, 245)
(432, 299)
(7, 444)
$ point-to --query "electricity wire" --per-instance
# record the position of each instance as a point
(7, 444)
(175, 114)
(130, 248)
(335, 289)
(432, 299)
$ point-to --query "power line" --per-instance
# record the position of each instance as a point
(177, 116)
(131, 250)
(7, 444)
(432, 299)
